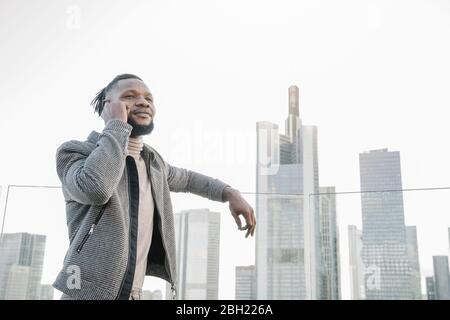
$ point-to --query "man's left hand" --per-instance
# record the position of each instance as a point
(238, 206)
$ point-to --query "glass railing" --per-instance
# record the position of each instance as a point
(327, 245)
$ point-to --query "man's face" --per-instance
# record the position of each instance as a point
(141, 111)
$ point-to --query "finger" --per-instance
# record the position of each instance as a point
(245, 227)
(254, 223)
(238, 221)
(248, 220)
(249, 226)
(252, 218)
(249, 223)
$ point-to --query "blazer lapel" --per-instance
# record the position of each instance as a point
(156, 176)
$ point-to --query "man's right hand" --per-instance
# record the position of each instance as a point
(115, 110)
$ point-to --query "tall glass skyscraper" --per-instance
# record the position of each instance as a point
(431, 289)
(384, 251)
(441, 277)
(331, 280)
(413, 256)
(245, 285)
(47, 292)
(356, 265)
(288, 254)
(197, 236)
(21, 262)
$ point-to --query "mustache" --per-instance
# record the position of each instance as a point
(145, 112)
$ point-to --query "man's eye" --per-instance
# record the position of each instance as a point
(149, 100)
(129, 96)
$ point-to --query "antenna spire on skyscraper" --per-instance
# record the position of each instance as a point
(293, 100)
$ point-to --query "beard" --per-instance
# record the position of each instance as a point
(139, 129)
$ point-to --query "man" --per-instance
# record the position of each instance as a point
(118, 206)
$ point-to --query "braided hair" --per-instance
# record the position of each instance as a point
(99, 101)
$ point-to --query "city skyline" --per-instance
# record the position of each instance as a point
(425, 277)
(287, 156)
(372, 74)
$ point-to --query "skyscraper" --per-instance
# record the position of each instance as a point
(413, 256)
(245, 283)
(431, 289)
(288, 253)
(15, 282)
(47, 292)
(197, 236)
(441, 277)
(329, 232)
(21, 261)
(384, 252)
(357, 287)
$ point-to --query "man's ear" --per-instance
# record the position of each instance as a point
(108, 96)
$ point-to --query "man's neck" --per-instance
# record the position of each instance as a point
(135, 145)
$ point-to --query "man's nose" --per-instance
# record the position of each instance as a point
(142, 102)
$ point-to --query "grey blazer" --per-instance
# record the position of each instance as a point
(101, 192)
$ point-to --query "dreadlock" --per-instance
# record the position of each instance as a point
(99, 101)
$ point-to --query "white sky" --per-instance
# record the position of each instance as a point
(372, 74)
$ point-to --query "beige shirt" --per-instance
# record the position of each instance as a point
(146, 209)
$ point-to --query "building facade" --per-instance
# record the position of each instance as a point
(21, 263)
(197, 236)
(288, 252)
(384, 253)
